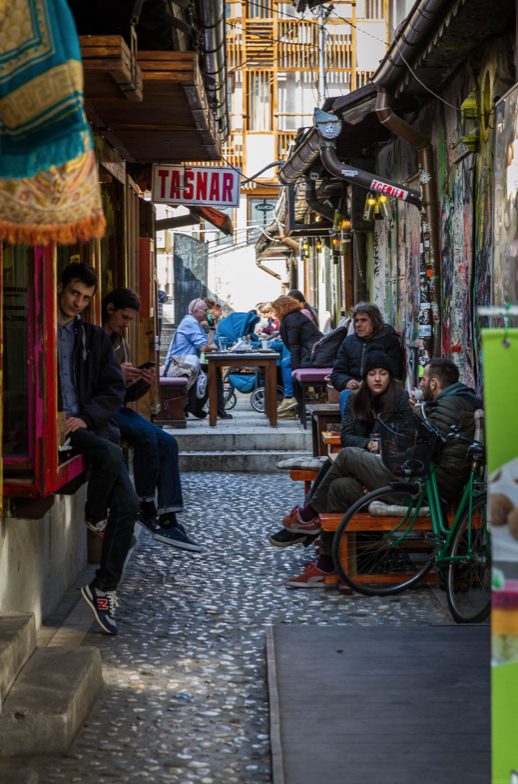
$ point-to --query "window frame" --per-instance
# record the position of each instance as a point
(47, 475)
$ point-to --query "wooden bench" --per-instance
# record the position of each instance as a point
(364, 523)
(305, 378)
(173, 400)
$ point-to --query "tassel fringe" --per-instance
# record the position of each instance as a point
(65, 234)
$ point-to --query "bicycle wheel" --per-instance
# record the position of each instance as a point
(468, 585)
(384, 542)
(229, 397)
(257, 398)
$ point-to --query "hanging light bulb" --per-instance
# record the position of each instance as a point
(318, 244)
(370, 207)
(336, 243)
(384, 207)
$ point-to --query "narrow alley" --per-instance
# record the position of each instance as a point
(185, 694)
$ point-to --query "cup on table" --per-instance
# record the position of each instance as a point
(222, 344)
(265, 344)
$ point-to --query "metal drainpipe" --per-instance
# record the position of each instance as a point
(430, 206)
(212, 24)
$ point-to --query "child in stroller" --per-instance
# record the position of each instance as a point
(245, 379)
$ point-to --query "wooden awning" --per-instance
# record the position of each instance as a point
(171, 123)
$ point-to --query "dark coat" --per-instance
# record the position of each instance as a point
(99, 384)
(356, 432)
(351, 356)
(299, 333)
(456, 405)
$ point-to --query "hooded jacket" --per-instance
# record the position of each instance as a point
(99, 384)
(350, 358)
(456, 405)
(299, 333)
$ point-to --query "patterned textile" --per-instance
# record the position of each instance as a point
(49, 188)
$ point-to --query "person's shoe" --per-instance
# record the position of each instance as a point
(295, 525)
(224, 415)
(290, 414)
(312, 577)
(96, 526)
(104, 605)
(285, 538)
(148, 516)
(288, 404)
(177, 536)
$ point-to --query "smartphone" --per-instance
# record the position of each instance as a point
(146, 365)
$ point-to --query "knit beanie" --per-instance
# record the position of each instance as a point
(377, 359)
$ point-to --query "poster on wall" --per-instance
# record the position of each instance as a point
(500, 349)
(505, 264)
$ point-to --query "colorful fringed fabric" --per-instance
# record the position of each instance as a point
(49, 189)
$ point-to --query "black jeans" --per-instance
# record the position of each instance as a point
(109, 488)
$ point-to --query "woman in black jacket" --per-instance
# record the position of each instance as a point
(297, 330)
(370, 332)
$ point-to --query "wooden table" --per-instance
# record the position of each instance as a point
(266, 360)
(322, 415)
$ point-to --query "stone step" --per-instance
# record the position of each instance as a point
(257, 460)
(17, 644)
(265, 439)
(49, 701)
(18, 776)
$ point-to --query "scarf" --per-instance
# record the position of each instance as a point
(49, 188)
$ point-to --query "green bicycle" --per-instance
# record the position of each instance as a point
(392, 537)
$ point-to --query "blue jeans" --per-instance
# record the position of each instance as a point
(155, 460)
(285, 364)
(109, 487)
(344, 394)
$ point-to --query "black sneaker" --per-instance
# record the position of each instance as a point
(285, 538)
(148, 516)
(224, 415)
(103, 604)
(176, 536)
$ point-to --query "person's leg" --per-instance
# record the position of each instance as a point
(344, 394)
(222, 414)
(169, 484)
(104, 457)
(141, 435)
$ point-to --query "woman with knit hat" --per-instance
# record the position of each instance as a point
(356, 467)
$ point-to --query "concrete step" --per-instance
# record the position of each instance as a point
(257, 460)
(18, 776)
(264, 439)
(17, 644)
(49, 701)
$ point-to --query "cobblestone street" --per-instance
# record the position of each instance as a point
(185, 697)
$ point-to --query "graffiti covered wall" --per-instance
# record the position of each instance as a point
(465, 192)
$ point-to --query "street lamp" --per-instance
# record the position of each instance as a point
(470, 117)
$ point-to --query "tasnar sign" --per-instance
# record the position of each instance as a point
(210, 186)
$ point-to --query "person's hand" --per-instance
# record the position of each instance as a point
(74, 423)
(148, 375)
(353, 384)
(373, 446)
(210, 347)
(129, 372)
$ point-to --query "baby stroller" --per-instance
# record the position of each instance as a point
(246, 379)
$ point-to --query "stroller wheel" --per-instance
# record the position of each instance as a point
(229, 397)
(258, 395)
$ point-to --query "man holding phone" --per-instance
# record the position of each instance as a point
(155, 457)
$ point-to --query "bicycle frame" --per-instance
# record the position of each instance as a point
(444, 533)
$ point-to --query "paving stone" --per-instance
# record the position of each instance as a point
(185, 696)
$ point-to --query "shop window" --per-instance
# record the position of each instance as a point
(31, 460)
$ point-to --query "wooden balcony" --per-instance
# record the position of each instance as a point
(171, 123)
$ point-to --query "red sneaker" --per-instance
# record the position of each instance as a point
(312, 577)
(297, 526)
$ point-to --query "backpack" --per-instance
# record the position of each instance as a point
(324, 351)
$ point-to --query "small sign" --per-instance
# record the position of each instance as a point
(390, 190)
(210, 186)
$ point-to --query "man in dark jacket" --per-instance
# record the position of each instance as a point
(449, 403)
(91, 391)
(370, 333)
(155, 453)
